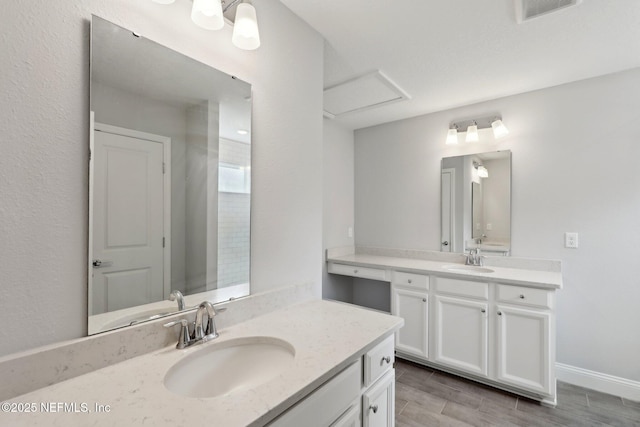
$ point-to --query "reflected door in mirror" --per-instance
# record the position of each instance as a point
(128, 227)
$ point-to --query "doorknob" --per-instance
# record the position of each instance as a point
(445, 243)
(97, 263)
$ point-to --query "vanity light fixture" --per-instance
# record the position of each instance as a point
(482, 171)
(245, 30)
(472, 126)
(472, 133)
(209, 14)
(452, 135)
(499, 129)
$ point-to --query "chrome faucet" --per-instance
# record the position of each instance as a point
(201, 332)
(177, 295)
(474, 257)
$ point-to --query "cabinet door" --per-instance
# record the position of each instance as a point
(378, 403)
(351, 418)
(412, 306)
(523, 341)
(461, 334)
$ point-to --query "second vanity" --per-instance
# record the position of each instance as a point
(338, 371)
(494, 323)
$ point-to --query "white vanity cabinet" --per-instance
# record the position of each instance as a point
(462, 325)
(524, 341)
(363, 394)
(495, 325)
(378, 397)
(410, 300)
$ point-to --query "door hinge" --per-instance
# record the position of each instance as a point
(163, 242)
(164, 167)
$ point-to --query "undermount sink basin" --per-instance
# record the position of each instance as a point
(230, 366)
(467, 268)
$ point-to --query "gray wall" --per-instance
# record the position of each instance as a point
(44, 164)
(338, 204)
(575, 156)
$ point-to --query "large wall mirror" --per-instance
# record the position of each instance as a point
(170, 186)
(476, 203)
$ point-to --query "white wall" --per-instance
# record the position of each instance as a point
(575, 160)
(44, 65)
(338, 204)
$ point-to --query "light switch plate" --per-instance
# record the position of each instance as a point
(571, 240)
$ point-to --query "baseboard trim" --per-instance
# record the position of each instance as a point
(604, 383)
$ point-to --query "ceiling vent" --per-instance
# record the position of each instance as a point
(361, 93)
(530, 9)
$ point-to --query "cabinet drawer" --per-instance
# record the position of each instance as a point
(355, 271)
(378, 360)
(525, 296)
(327, 403)
(411, 280)
(465, 288)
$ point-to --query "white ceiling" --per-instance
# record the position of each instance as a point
(449, 53)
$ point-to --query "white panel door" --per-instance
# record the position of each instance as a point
(447, 207)
(461, 334)
(128, 222)
(523, 348)
(412, 306)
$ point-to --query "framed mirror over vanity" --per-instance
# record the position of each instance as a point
(170, 181)
(476, 203)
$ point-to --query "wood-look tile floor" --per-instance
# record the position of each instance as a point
(425, 397)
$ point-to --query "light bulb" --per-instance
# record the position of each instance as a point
(163, 1)
(245, 29)
(452, 137)
(207, 14)
(472, 133)
(499, 129)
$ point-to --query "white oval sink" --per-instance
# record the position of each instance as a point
(467, 268)
(230, 366)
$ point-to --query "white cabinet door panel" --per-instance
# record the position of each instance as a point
(461, 334)
(524, 348)
(413, 307)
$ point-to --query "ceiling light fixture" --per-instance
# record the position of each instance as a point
(472, 126)
(209, 14)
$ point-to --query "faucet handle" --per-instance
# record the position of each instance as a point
(184, 340)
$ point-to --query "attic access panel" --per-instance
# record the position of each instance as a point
(361, 93)
(529, 9)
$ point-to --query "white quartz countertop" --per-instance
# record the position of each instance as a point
(517, 276)
(327, 337)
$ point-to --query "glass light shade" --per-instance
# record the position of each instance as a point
(245, 30)
(483, 172)
(472, 134)
(499, 129)
(452, 137)
(207, 14)
(163, 1)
